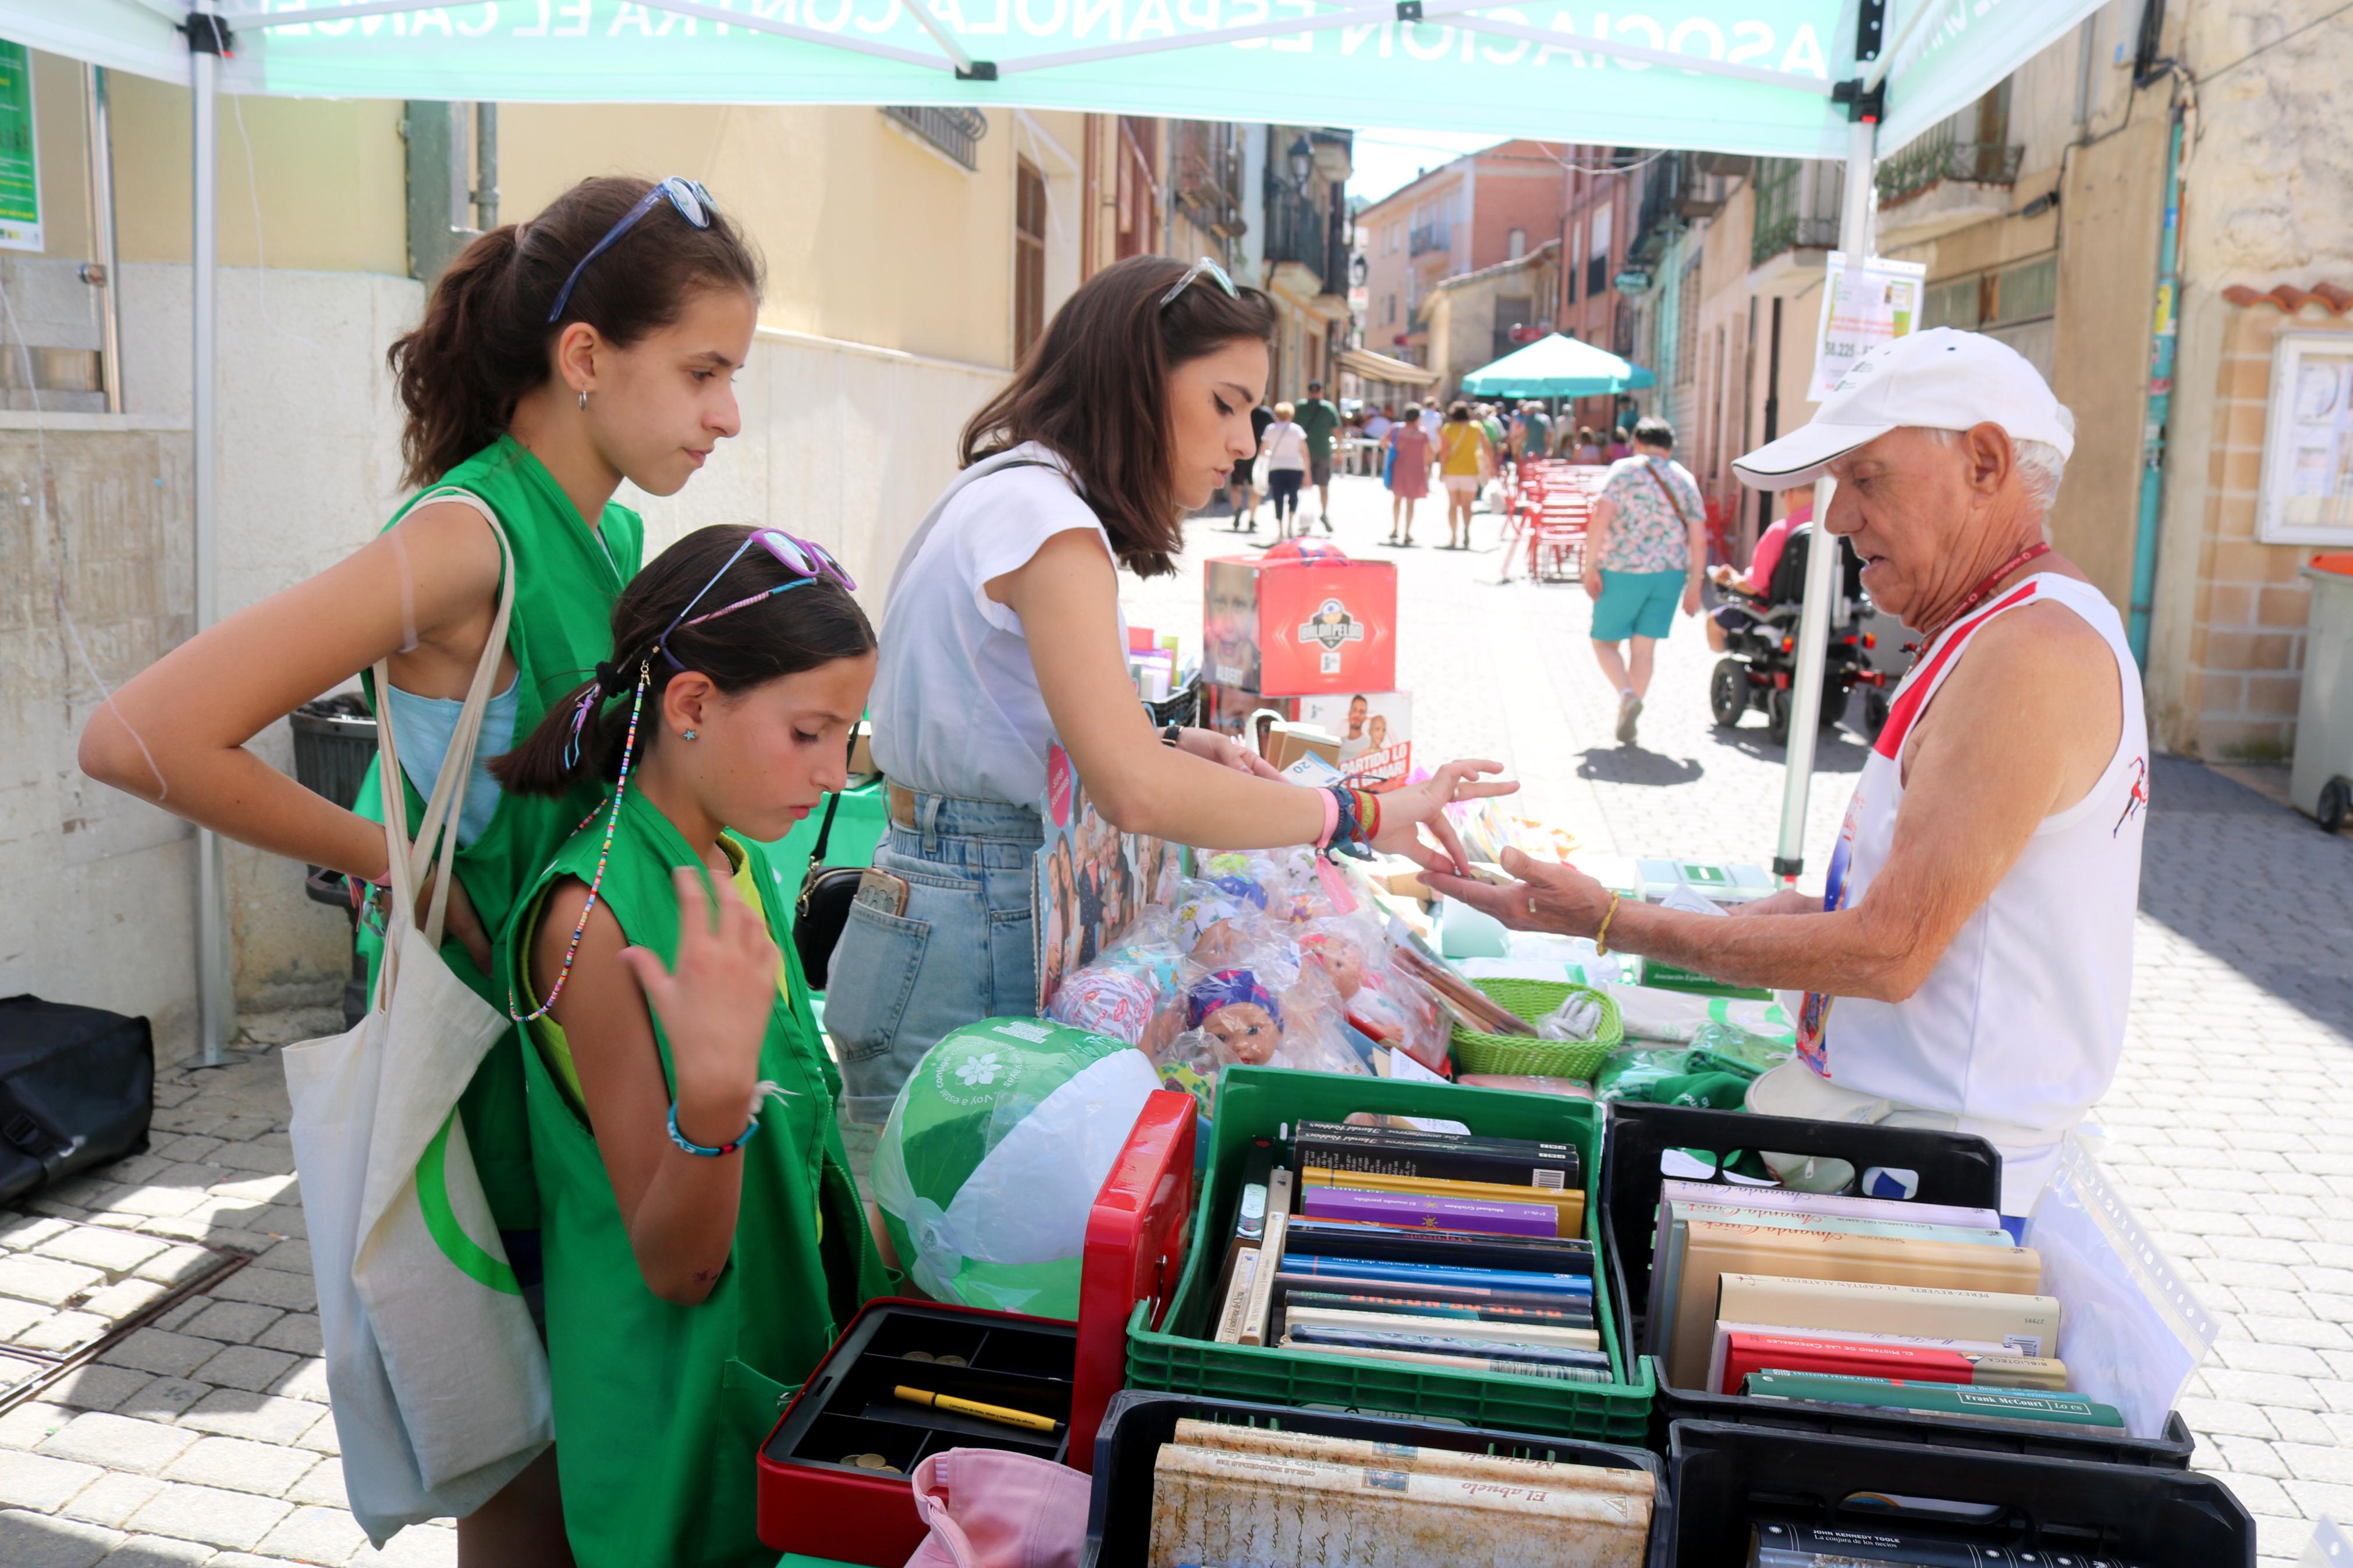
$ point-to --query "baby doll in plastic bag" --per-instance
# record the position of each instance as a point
(1380, 1000)
(1132, 993)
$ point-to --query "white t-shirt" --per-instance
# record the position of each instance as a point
(1285, 445)
(956, 706)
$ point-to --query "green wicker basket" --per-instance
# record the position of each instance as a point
(1532, 999)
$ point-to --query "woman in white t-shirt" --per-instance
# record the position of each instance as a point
(1002, 634)
(1283, 452)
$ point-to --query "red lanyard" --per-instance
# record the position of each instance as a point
(1986, 586)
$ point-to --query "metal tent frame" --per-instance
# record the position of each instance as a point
(1950, 65)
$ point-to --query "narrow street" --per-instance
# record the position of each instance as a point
(204, 1437)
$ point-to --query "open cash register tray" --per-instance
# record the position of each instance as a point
(834, 1471)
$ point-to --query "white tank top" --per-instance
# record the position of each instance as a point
(2019, 1024)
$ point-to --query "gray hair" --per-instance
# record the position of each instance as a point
(2040, 466)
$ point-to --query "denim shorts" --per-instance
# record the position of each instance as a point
(964, 950)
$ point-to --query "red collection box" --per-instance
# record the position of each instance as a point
(816, 1501)
(1300, 620)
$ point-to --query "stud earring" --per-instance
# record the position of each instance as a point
(583, 400)
(690, 734)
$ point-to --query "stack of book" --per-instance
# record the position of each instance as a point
(1249, 1497)
(1442, 1249)
(1850, 1300)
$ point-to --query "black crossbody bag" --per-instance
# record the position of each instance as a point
(823, 908)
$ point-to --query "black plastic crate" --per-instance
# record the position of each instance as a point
(2065, 1510)
(1119, 1516)
(1952, 1168)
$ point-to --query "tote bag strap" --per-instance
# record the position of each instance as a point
(437, 830)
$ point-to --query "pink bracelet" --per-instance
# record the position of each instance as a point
(1331, 817)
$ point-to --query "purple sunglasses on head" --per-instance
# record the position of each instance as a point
(806, 561)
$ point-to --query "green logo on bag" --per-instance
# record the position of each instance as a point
(464, 1253)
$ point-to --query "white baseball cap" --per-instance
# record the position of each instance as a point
(1939, 379)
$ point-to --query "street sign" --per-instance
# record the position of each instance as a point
(1632, 281)
(20, 172)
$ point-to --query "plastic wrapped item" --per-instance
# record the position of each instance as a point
(1727, 1048)
(1668, 1077)
(993, 1155)
(1673, 1017)
(1578, 1018)
(1108, 999)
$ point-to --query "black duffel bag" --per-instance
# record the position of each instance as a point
(77, 1088)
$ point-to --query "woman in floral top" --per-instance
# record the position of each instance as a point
(1645, 550)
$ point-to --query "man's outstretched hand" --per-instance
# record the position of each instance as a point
(1548, 897)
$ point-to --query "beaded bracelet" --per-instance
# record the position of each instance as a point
(1349, 834)
(680, 1139)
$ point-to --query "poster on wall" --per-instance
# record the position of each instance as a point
(20, 171)
(1864, 304)
(1376, 730)
(2307, 475)
(1090, 880)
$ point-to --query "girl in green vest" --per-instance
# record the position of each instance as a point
(703, 1240)
(556, 359)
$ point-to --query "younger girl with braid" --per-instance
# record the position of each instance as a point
(704, 1239)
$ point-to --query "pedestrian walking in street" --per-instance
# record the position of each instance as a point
(1410, 449)
(1465, 460)
(1002, 637)
(1320, 418)
(597, 342)
(1532, 433)
(1645, 550)
(1968, 967)
(1282, 451)
(1432, 416)
(1587, 448)
(1377, 421)
(1620, 448)
(705, 1239)
(1243, 482)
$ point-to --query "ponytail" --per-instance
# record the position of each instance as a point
(485, 339)
(587, 736)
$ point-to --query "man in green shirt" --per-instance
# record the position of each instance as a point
(1319, 419)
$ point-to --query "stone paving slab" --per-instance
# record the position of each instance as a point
(2222, 1128)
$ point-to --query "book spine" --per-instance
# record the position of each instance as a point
(1547, 1307)
(1442, 1162)
(1459, 1248)
(1443, 1344)
(1475, 1364)
(1317, 1448)
(1238, 1295)
(1569, 1201)
(1428, 1307)
(1573, 1286)
(1262, 1293)
(2011, 1404)
(1716, 1194)
(1587, 1340)
(1407, 1209)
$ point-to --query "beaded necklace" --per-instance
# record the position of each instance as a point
(604, 854)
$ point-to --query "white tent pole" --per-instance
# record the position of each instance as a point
(216, 1008)
(1821, 559)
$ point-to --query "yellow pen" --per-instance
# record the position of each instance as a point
(1021, 1419)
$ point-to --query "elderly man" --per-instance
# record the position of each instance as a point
(1970, 964)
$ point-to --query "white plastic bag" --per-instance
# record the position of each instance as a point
(439, 1383)
(2130, 1331)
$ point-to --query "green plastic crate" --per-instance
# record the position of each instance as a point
(1182, 1357)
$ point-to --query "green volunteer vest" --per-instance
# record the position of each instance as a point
(660, 1409)
(565, 586)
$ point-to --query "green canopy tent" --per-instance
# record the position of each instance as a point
(1558, 367)
(1852, 79)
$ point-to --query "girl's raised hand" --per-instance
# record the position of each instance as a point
(1403, 811)
(714, 1005)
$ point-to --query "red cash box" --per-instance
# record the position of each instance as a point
(815, 1500)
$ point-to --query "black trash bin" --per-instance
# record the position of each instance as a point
(334, 742)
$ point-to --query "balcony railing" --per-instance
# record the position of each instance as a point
(955, 132)
(1932, 161)
(1797, 231)
(1430, 236)
(1301, 231)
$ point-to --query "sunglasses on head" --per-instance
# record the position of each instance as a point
(686, 197)
(1203, 268)
(806, 561)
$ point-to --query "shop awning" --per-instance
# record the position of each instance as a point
(1732, 76)
(1558, 367)
(1380, 367)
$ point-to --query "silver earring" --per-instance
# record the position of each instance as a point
(583, 400)
(690, 734)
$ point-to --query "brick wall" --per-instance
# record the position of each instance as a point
(2246, 642)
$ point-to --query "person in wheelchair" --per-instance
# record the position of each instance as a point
(1797, 511)
(1757, 632)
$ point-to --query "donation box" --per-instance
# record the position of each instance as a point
(1301, 619)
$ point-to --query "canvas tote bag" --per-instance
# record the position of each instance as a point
(438, 1381)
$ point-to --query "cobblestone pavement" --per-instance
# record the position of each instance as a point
(203, 1437)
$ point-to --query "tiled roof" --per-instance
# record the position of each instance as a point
(2290, 298)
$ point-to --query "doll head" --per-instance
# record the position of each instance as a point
(1234, 1010)
(1340, 958)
